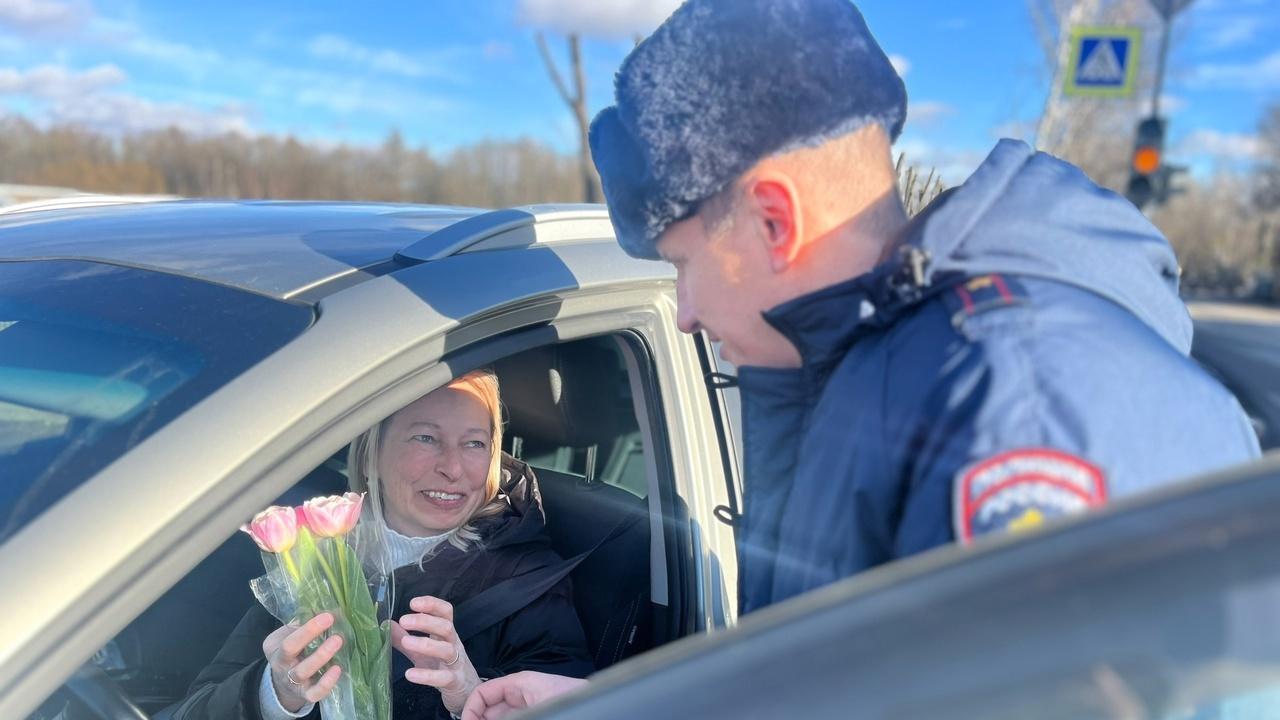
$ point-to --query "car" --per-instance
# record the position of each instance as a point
(168, 369)
(1161, 607)
(1239, 343)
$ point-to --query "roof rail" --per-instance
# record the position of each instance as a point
(513, 227)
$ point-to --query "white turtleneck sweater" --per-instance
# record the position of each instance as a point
(403, 550)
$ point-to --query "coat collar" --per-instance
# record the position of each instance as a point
(824, 324)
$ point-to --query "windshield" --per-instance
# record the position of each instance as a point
(94, 358)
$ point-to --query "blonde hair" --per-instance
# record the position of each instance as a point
(362, 459)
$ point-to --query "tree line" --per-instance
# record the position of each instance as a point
(485, 174)
(1226, 229)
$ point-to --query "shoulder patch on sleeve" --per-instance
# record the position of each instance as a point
(982, 293)
(1022, 488)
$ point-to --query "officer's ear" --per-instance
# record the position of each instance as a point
(775, 203)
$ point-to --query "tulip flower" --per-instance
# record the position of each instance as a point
(274, 529)
(333, 516)
(309, 552)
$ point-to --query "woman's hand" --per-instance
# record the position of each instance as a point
(292, 674)
(438, 657)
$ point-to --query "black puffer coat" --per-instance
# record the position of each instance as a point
(544, 635)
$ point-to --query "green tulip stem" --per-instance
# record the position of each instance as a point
(333, 581)
(339, 546)
(290, 567)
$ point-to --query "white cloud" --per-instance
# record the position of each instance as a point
(347, 97)
(495, 50)
(122, 113)
(1021, 129)
(1262, 74)
(1217, 5)
(40, 17)
(191, 59)
(952, 164)
(88, 99)
(900, 64)
(77, 21)
(1169, 104)
(1220, 145)
(927, 111)
(1226, 32)
(55, 82)
(607, 18)
(336, 47)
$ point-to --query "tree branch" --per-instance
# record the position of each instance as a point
(552, 71)
(579, 82)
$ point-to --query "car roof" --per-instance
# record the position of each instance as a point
(276, 248)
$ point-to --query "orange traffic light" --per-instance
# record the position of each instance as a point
(1146, 175)
(1146, 160)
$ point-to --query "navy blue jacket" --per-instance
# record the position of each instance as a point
(1022, 355)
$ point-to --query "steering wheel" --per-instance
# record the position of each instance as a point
(101, 695)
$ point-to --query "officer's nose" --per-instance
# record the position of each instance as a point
(686, 317)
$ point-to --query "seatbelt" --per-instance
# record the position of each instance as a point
(500, 601)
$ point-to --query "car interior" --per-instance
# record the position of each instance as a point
(572, 415)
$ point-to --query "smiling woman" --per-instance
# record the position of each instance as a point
(460, 518)
(435, 462)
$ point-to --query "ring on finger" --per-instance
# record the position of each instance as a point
(293, 680)
(457, 653)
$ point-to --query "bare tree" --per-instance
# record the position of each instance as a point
(486, 174)
(577, 102)
(916, 193)
(1267, 192)
(1223, 245)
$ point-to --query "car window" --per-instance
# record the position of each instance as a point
(95, 358)
(1240, 346)
(153, 667)
(597, 437)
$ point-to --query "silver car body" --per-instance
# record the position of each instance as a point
(396, 290)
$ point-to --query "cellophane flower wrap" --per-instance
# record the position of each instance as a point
(320, 558)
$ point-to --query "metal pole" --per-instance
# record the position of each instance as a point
(1164, 54)
(1167, 9)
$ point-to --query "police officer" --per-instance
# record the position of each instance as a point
(1014, 353)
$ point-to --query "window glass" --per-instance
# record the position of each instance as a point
(585, 383)
(732, 399)
(95, 358)
(571, 411)
(153, 661)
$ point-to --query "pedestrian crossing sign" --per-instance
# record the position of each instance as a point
(1104, 61)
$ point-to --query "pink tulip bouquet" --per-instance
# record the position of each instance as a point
(313, 558)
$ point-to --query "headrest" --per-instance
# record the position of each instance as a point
(562, 395)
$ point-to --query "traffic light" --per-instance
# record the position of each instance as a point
(1147, 179)
(1165, 188)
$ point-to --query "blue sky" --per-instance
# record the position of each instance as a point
(449, 73)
